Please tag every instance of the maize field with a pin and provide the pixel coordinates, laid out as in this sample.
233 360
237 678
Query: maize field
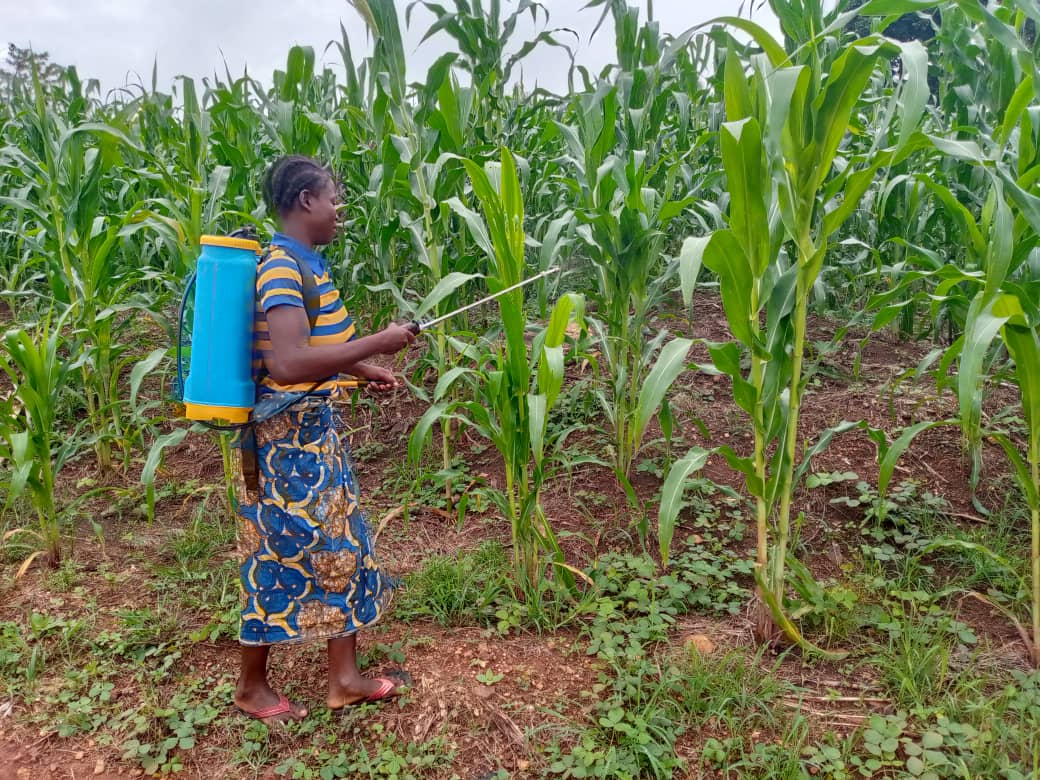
749 489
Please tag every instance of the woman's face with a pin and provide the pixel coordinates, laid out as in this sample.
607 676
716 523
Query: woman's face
321 213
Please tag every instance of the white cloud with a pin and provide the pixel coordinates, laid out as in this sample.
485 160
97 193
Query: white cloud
114 39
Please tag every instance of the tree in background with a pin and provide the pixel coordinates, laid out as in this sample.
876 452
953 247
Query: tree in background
918 26
20 63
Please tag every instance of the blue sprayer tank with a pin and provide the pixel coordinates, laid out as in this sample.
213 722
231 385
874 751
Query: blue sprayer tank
220 377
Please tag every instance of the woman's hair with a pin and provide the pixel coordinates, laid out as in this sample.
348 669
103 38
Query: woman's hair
288 177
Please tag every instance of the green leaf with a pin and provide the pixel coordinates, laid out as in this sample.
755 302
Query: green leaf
787 88
475 224
141 370
151 464
888 463
822 443
914 91
737 95
1022 470
537 409
1023 343
560 318
442 290
690 258
671 497
844 86
742 157
1000 248
968 151
447 379
551 374
665 418
959 210
726 359
930 740
670 363
773 50
23 458
980 330
1019 102
725 257
421 431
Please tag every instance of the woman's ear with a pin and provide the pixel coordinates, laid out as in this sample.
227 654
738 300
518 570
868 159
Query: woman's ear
304 200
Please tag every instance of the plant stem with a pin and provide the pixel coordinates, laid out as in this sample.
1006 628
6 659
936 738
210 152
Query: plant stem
761 506
229 477
514 518
791 439
49 524
623 410
1034 462
433 251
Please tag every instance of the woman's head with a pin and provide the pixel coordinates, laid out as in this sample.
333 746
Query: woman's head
303 195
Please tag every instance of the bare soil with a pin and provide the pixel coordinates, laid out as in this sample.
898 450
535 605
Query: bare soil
546 679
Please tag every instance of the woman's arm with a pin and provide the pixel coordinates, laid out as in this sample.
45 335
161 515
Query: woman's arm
293 360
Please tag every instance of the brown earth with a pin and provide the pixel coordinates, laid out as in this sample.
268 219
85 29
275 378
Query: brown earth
487 724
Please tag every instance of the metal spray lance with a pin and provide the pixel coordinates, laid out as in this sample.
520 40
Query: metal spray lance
419 327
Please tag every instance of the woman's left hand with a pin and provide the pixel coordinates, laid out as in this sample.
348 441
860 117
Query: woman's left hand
380 379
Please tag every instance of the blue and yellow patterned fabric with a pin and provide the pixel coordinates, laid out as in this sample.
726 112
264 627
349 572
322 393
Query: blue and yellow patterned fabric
278 283
307 564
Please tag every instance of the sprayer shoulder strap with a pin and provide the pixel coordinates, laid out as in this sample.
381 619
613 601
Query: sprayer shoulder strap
309 285
311 297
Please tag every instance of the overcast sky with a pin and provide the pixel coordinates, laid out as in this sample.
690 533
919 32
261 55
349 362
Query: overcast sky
117 40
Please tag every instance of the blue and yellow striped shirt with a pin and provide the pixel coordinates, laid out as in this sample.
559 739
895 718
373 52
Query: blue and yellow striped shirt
278 283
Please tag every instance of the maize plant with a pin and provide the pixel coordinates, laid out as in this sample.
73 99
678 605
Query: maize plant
791 187
482 37
516 388
61 177
1006 285
627 195
37 364
417 178
418 171
1021 334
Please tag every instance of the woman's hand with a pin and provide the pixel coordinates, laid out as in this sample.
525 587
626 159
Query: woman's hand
393 338
380 379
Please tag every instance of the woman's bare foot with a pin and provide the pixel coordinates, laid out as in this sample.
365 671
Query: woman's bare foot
253 694
355 689
260 698
347 686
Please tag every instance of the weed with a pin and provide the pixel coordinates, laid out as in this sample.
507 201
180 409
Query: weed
13 654
922 638
456 591
730 689
391 759
255 752
65 577
157 735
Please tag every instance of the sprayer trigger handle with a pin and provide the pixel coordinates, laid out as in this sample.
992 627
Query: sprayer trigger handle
414 327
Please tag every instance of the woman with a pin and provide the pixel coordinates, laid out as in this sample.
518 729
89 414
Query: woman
307 564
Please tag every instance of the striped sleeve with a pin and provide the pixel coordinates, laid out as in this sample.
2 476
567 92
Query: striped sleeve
278 282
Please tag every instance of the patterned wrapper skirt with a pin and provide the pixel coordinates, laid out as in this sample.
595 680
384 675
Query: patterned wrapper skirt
307 564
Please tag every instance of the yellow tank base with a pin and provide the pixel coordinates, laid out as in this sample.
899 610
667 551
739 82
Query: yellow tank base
207 413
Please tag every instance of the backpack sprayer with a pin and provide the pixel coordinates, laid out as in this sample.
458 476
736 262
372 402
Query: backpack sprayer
220 383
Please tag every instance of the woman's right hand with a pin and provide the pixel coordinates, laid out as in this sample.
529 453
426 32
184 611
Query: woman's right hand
393 338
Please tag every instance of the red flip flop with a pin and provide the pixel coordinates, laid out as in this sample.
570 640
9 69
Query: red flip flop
283 707
384 691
